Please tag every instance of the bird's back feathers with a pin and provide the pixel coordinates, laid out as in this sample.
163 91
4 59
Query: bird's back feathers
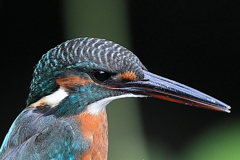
35 136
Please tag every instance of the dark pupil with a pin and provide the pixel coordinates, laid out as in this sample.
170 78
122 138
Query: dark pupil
101 75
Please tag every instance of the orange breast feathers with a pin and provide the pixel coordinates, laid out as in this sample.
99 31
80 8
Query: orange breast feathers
95 130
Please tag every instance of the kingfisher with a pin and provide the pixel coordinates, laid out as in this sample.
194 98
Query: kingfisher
65 117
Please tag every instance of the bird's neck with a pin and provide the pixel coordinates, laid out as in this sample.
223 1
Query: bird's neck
94 130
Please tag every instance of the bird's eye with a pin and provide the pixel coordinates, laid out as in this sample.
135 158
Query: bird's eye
102 75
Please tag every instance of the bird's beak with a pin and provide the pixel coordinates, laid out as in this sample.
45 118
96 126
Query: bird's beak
163 88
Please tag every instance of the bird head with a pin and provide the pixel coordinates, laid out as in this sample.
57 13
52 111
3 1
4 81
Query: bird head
85 74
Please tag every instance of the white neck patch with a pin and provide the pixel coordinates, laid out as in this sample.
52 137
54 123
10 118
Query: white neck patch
52 100
98 106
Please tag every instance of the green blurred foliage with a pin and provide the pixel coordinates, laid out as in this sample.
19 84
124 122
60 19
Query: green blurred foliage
220 141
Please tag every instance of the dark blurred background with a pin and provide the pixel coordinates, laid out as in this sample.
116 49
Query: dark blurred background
193 42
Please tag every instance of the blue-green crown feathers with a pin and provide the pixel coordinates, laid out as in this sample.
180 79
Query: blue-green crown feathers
84 54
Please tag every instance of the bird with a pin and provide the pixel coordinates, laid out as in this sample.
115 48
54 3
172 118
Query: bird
65 115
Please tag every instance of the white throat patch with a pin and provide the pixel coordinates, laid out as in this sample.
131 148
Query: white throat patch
98 106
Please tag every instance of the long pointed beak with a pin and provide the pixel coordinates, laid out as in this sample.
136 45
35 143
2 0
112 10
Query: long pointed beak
163 88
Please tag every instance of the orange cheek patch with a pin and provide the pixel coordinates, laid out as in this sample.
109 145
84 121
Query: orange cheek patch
72 80
128 75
